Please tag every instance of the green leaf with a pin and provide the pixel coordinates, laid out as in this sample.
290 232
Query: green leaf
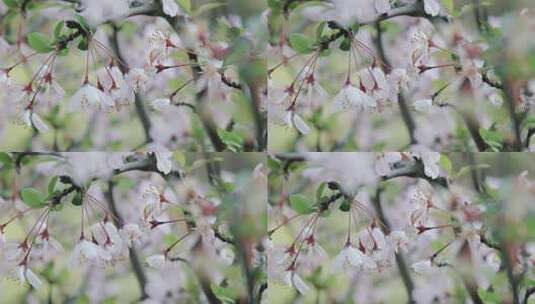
12 4
233 141
52 185
226 187
492 138
180 157
63 52
300 43
224 294
319 29
83 23
39 42
528 122
488 296
301 204
77 199
345 45
58 27
83 45
320 190
445 164
274 165
345 205
33 197
185 5
274 5
6 160
449 5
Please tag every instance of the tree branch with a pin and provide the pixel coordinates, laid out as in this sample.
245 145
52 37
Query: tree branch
400 261
134 259
140 107
415 169
403 107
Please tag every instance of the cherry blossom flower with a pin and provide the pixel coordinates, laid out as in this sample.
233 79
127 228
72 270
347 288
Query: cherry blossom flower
88 96
423 105
161 104
422 267
385 161
432 7
170 8
131 234
211 80
430 160
157 261
420 49
86 252
2 238
382 6
297 122
160 46
399 240
5 80
280 114
348 257
138 79
313 93
496 99
293 279
374 81
33 120
51 246
351 97
25 274
163 157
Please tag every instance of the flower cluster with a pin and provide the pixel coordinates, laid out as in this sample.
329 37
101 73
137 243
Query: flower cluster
176 71
348 73
373 213
160 223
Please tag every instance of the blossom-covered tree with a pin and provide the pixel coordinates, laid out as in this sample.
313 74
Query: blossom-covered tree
390 75
148 74
123 227
401 228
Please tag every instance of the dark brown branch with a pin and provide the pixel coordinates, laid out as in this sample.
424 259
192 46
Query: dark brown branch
134 259
495 84
403 107
140 107
473 128
400 261
415 169
529 293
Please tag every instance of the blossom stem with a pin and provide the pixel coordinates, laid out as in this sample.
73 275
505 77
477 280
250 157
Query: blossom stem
283 62
270 232
166 251
303 241
41 216
180 88
440 250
